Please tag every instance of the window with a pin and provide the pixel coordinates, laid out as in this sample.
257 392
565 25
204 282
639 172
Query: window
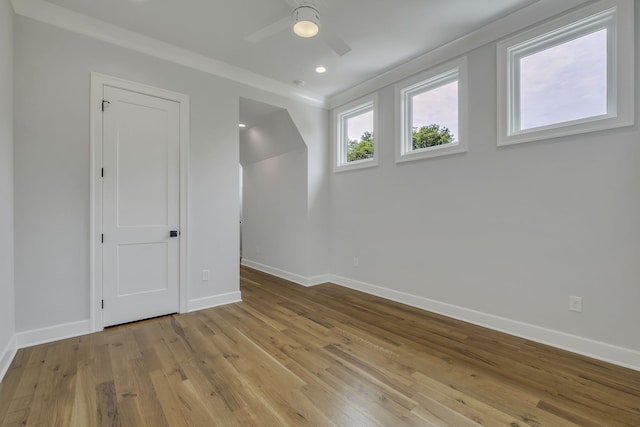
356 132
431 116
571 76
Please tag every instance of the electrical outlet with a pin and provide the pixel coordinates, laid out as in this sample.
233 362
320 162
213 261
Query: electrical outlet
205 275
356 261
575 304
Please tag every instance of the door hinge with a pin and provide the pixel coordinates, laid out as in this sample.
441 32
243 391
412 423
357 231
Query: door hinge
103 304
102 238
103 103
102 173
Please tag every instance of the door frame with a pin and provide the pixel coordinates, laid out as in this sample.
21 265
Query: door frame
98 82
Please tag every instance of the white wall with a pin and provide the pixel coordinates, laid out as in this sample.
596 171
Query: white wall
52 167
274 223
511 232
312 124
7 312
286 199
318 193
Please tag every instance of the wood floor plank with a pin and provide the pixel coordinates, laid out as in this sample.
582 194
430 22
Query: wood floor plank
322 356
146 395
52 392
22 396
214 399
167 399
107 412
12 380
85 404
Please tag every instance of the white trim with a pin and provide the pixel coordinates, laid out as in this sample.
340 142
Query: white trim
617 16
214 301
318 280
40 336
343 113
606 352
95 209
69 20
52 333
522 18
452 71
7 355
283 274
185 167
98 82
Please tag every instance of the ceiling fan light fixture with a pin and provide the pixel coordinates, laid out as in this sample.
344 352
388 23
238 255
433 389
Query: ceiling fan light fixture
306 21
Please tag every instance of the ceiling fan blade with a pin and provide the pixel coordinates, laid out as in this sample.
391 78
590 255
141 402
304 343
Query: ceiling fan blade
336 43
292 3
313 3
269 30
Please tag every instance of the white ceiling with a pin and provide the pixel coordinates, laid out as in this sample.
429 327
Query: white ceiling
382 33
272 134
253 112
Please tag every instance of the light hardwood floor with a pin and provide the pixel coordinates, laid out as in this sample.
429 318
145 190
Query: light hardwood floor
291 356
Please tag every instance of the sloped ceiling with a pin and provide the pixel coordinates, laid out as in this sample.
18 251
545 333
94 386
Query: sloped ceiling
270 132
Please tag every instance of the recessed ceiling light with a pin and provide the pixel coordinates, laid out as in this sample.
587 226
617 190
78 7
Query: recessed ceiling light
321 70
242 125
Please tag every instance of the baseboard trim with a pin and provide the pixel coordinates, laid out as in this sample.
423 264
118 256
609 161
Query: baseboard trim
598 350
283 274
625 357
83 327
214 301
52 333
318 280
7 355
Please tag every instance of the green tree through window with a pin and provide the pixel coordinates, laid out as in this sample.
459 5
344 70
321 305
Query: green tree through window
430 136
426 136
360 150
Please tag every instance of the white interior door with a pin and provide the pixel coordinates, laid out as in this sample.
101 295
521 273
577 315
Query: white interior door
141 206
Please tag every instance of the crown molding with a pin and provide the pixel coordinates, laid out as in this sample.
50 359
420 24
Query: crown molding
69 20
500 28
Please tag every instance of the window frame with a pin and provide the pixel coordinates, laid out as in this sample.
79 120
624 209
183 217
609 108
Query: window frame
421 83
340 117
617 17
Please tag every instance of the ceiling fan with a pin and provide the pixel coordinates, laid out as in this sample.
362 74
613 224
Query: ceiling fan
303 10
